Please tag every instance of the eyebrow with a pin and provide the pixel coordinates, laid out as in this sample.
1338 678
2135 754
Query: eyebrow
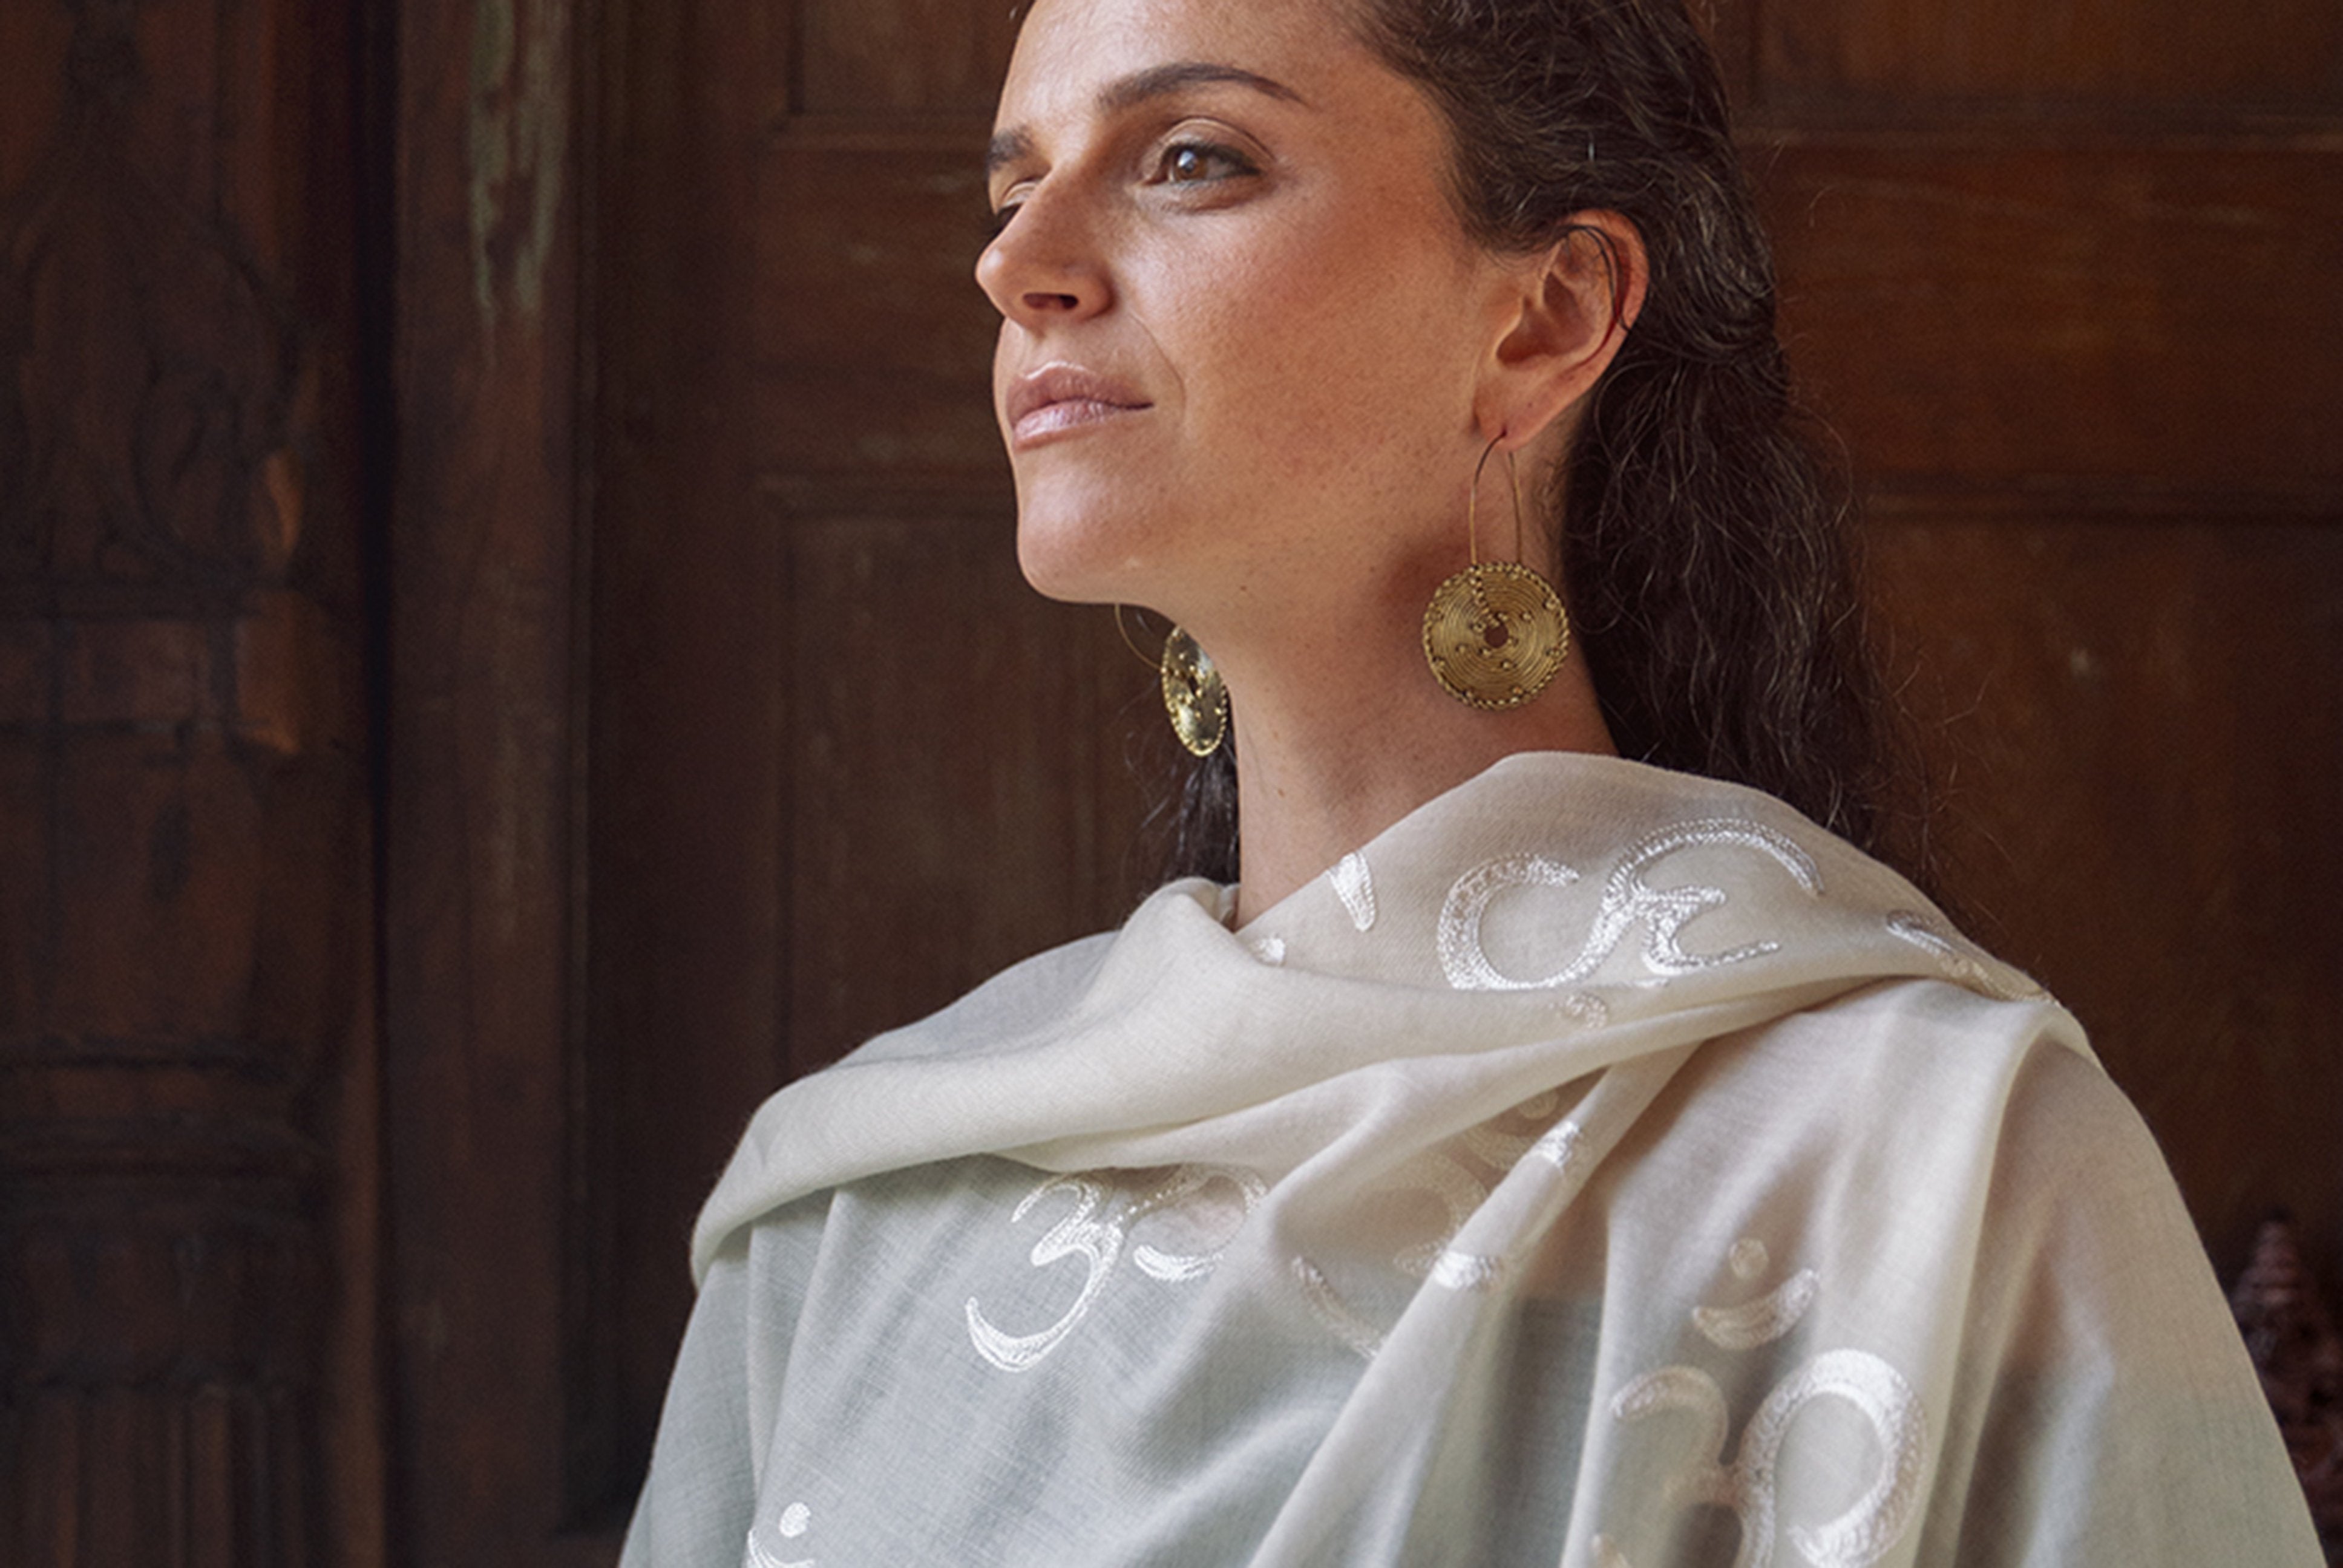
1155 81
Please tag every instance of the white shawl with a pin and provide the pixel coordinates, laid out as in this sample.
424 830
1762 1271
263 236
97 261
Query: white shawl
1603 1166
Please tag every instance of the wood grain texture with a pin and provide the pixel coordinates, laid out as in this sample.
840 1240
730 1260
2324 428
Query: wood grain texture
964 794
685 964
183 792
2121 321
2126 55
477 908
2136 726
874 343
924 57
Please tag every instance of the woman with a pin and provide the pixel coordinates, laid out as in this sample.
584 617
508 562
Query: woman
1537 1157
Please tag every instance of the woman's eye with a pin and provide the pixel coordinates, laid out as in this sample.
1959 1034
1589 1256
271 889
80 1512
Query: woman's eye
1198 162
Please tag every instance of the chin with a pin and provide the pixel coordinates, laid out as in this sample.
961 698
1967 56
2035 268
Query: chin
1059 574
1071 554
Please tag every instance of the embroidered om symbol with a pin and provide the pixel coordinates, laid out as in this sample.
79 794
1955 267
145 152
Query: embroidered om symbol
1095 1230
1860 1535
1628 901
1856 1539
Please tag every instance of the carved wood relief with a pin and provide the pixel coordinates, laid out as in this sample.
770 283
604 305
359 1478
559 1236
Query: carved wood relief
182 801
2291 1334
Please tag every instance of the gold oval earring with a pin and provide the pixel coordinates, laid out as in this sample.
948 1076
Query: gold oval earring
1193 694
1495 633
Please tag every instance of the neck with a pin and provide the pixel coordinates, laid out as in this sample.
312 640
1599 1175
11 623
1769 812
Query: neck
1331 758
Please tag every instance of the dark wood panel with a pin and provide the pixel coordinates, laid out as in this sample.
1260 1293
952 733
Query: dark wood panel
2280 54
479 963
874 343
2154 320
841 426
34 39
963 796
2136 727
688 773
208 79
928 56
186 1369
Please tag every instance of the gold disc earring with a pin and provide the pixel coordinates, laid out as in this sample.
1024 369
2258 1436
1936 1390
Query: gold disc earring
1495 633
1193 694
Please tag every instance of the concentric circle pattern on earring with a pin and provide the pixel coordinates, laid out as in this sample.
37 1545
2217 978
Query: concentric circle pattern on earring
1495 635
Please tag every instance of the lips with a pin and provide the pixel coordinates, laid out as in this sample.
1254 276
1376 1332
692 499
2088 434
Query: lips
1059 398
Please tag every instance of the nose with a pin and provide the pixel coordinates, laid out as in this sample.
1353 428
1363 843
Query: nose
1044 267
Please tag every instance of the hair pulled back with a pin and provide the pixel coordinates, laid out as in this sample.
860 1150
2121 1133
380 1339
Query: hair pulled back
1704 550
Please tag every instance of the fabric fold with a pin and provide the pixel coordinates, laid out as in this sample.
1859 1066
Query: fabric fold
1554 915
1601 1168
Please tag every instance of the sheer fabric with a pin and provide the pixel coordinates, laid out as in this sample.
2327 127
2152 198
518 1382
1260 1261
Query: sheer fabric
1602 1167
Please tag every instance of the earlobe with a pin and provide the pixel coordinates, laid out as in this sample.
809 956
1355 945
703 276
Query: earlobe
1574 306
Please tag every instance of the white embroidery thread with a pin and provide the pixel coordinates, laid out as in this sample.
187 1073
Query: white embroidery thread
1460 1193
1628 901
1334 1312
1458 1271
795 1520
1762 1321
1559 1147
1355 886
1865 1532
1502 1150
1458 1190
1100 1241
1859 1536
1462 957
1585 1008
1960 963
1187 1183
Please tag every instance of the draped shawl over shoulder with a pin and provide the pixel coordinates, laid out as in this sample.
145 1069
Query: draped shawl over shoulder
1603 1166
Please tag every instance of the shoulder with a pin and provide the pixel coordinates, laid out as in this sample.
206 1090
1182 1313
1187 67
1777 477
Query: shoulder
1915 1064
1929 1070
1929 1140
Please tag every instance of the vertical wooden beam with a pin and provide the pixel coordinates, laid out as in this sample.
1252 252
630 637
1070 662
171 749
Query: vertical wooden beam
481 809
686 986
185 1002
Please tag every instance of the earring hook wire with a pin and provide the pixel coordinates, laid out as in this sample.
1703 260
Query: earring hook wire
1136 651
1472 503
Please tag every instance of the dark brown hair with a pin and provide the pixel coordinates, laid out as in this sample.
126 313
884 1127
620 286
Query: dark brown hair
1706 553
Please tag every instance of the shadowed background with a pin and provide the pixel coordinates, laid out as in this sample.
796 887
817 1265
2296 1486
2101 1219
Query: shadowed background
510 648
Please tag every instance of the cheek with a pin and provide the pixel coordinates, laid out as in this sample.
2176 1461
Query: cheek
1328 337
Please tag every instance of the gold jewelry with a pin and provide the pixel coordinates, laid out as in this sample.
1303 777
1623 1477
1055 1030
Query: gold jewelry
1193 694
1495 633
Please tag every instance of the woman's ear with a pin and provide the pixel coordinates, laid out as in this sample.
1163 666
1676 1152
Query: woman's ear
1567 317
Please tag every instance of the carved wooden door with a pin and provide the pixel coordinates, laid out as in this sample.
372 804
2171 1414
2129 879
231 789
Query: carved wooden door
186 921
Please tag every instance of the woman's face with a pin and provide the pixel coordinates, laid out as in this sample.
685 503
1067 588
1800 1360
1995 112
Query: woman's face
1242 328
